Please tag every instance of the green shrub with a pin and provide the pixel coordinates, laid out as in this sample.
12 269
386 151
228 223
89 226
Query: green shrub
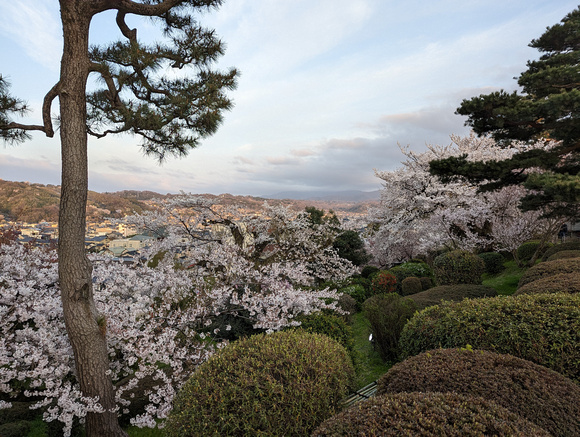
347 303
368 271
549 268
564 254
358 293
414 268
329 325
536 393
527 250
493 262
458 267
455 293
411 285
543 328
387 315
559 283
427 414
426 283
282 384
15 429
383 282
570 245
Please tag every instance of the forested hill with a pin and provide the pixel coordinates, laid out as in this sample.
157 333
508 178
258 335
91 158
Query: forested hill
33 203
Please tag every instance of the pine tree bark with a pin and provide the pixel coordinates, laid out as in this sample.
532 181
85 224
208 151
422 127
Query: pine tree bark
75 271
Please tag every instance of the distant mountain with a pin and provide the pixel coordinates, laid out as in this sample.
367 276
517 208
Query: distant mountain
329 196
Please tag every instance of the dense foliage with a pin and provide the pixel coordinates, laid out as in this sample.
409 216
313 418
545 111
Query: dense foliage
428 415
436 295
411 285
569 245
387 315
549 268
557 283
458 267
493 262
534 392
283 384
564 254
411 268
542 328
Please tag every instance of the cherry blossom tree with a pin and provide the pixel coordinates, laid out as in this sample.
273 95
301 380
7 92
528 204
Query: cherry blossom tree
419 213
159 322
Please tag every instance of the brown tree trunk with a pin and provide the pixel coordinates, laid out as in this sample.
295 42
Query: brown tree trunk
75 271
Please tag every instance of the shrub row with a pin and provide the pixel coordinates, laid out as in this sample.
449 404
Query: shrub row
543 328
549 268
458 267
417 269
282 384
570 245
427 414
536 393
564 254
436 295
558 283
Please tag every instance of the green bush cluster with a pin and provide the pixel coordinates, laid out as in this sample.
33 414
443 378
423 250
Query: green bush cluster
368 271
493 262
543 328
559 283
549 268
527 250
458 267
455 293
411 285
414 268
282 384
536 393
358 292
564 254
426 283
383 282
387 315
569 245
348 304
428 414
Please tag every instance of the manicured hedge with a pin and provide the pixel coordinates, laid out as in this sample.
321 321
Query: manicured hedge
549 268
570 245
414 268
435 295
535 392
526 250
411 285
282 384
493 262
559 283
564 254
428 414
543 328
458 267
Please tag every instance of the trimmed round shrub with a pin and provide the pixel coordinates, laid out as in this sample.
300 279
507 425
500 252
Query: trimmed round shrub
458 267
347 303
526 250
387 315
559 283
535 392
569 245
543 328
428 414
329 325
411 285
368 271
493 262
564 254
383 282
282 384
414 268
426 283
436 295
549 268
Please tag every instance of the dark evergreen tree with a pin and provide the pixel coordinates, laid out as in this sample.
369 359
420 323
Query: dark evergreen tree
547 111
170 113
349 245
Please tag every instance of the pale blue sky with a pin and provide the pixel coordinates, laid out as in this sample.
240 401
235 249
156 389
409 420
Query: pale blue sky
327 89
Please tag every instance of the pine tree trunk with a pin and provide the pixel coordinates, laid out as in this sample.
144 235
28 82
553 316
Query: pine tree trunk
75 271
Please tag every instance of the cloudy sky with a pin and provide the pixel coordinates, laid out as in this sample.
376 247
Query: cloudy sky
328 88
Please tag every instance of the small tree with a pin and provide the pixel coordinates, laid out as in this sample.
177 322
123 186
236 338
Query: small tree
170 114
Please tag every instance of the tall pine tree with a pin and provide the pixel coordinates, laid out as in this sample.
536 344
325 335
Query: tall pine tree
170 112
548 111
